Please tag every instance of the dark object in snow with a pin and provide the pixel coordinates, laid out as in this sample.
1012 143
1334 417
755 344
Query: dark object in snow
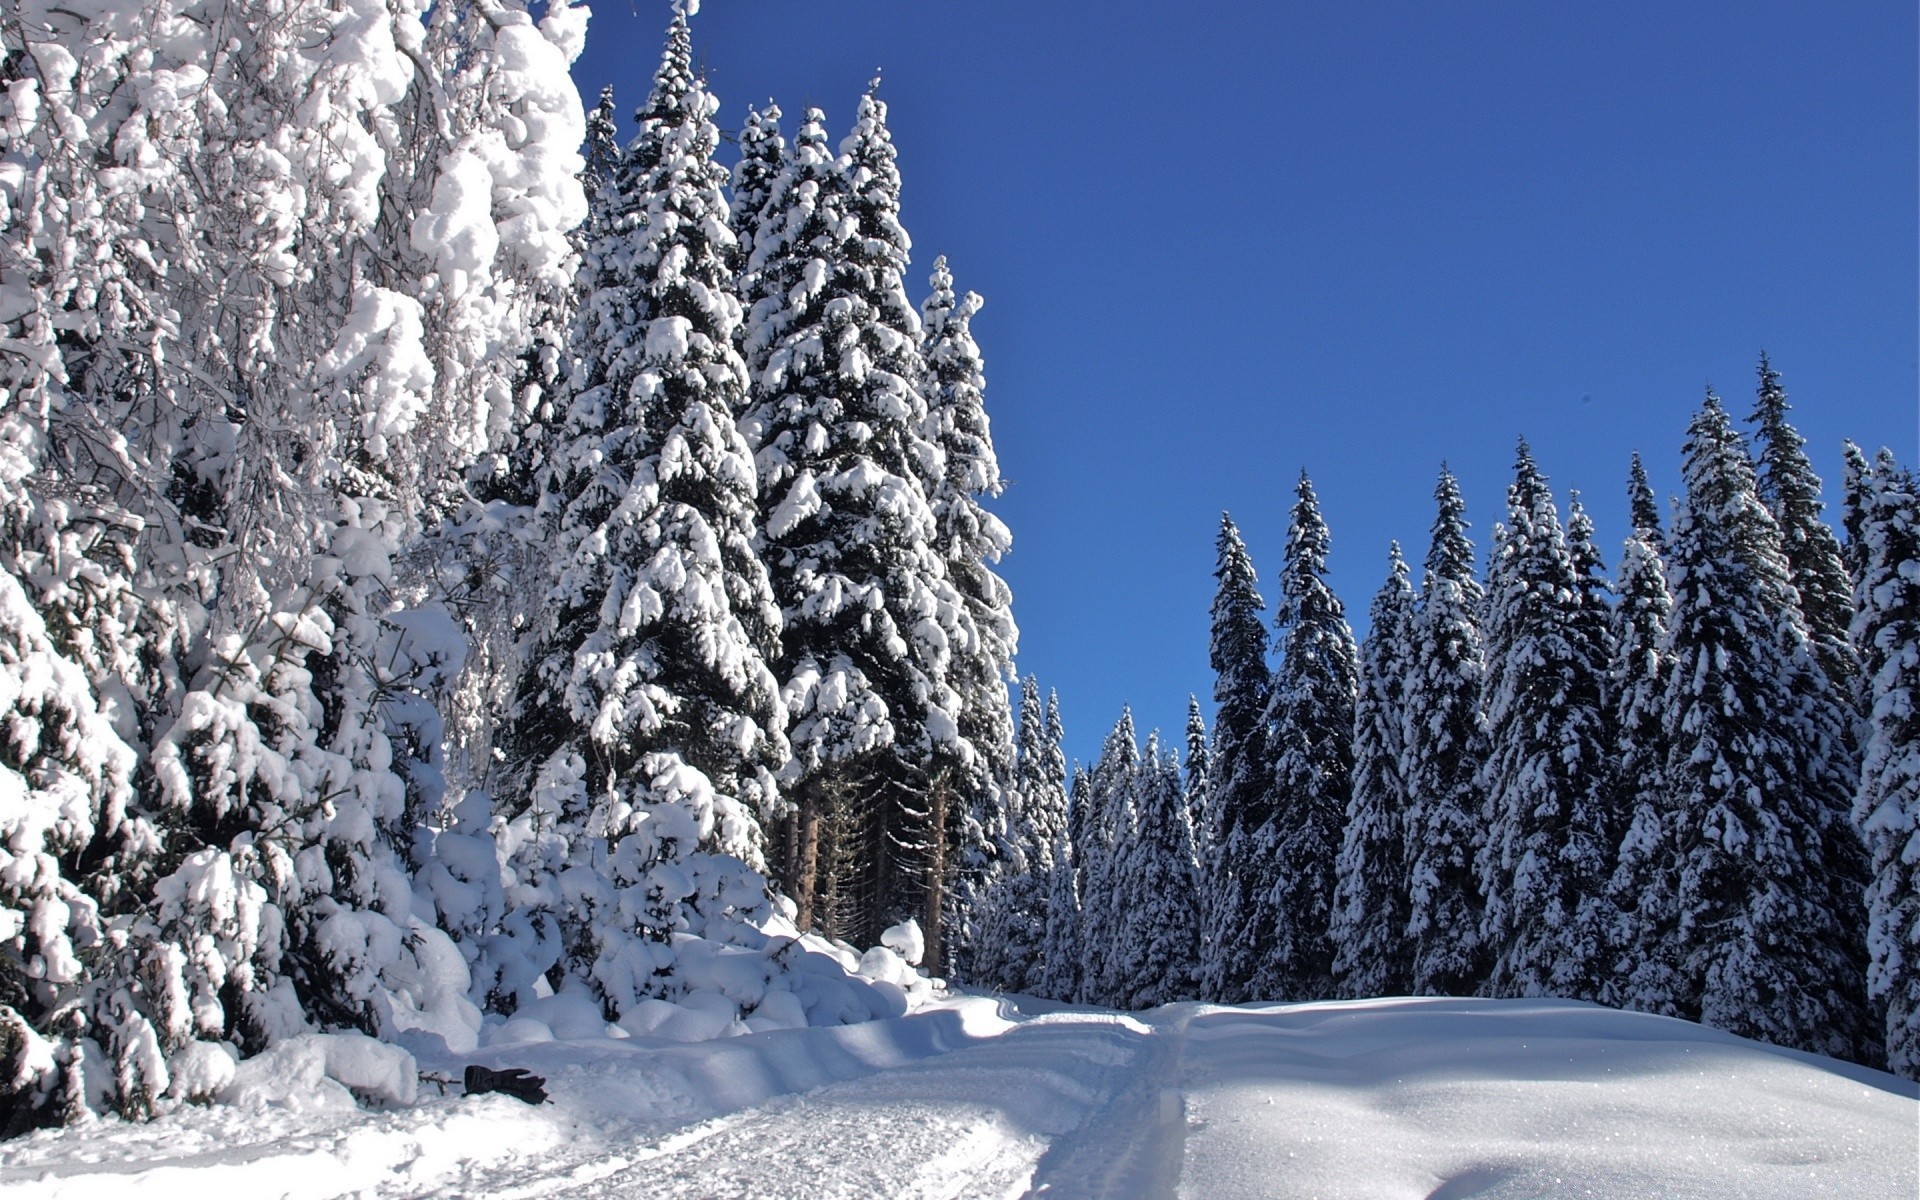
514 1081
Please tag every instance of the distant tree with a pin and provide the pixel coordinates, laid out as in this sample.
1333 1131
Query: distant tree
1547 856
1240 787
1885 506
1198 772
1103 859
1310 722
1445 734
1159 937
1643 509
1372 956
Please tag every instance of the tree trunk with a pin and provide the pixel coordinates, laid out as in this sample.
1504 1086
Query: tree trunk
936 877
806 856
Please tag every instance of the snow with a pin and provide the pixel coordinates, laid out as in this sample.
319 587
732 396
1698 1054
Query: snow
977 1096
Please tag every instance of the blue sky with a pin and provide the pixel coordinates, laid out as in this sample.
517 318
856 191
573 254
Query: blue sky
1219 244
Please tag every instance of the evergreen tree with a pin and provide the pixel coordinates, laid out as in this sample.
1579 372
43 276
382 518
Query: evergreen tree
1886 631
849 537
1546 859
762 158
1369 930
1240 789
1109 806
970 539
1766 920
1102 856
1198 773
1592 628
649 704
1310 719
1642 508
1641 892
1445 739
1791 492
1159 937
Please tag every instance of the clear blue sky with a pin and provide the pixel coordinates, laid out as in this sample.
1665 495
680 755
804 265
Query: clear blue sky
1220 243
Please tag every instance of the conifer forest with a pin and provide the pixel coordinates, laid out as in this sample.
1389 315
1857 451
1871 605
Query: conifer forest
454 556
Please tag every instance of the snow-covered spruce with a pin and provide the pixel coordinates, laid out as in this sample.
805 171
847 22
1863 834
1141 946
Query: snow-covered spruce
1369 922
1886 632
1444 734
1550 833
648 726
838 421
1310 730
1765 912
1643 967
1100 850
1791 492
1240 787
1153 960
970 540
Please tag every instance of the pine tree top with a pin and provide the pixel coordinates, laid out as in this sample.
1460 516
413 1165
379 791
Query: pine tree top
1450 556
1645 511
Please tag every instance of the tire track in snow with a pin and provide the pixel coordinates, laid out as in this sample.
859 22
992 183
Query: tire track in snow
972 1123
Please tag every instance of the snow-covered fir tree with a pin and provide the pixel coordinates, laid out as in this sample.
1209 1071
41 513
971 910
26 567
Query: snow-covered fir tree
1015 908
649 720
1198 771
1445 742
1241 786
1550 833
1791 492
1640 892
1886 632
1766 909
1310 724
1101 852
1056 974
970 540
871 622
762 157
1372 956
1153 958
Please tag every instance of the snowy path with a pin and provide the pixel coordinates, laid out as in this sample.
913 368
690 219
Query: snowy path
1422 1100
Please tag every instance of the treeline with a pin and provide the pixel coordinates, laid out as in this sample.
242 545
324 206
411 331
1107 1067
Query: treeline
441 571
1691 789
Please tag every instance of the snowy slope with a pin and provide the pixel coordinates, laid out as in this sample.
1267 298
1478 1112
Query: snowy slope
1412 1099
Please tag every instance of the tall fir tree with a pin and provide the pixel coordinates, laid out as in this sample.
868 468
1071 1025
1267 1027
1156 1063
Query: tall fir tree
1159 936
1445 741
1767 881
1369 928
1199 763
1102 854
1062 949
762 157
849 537
1546 860
1791 492
1310 722
649 719
1642 895
1241 785
969 540
1885 505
